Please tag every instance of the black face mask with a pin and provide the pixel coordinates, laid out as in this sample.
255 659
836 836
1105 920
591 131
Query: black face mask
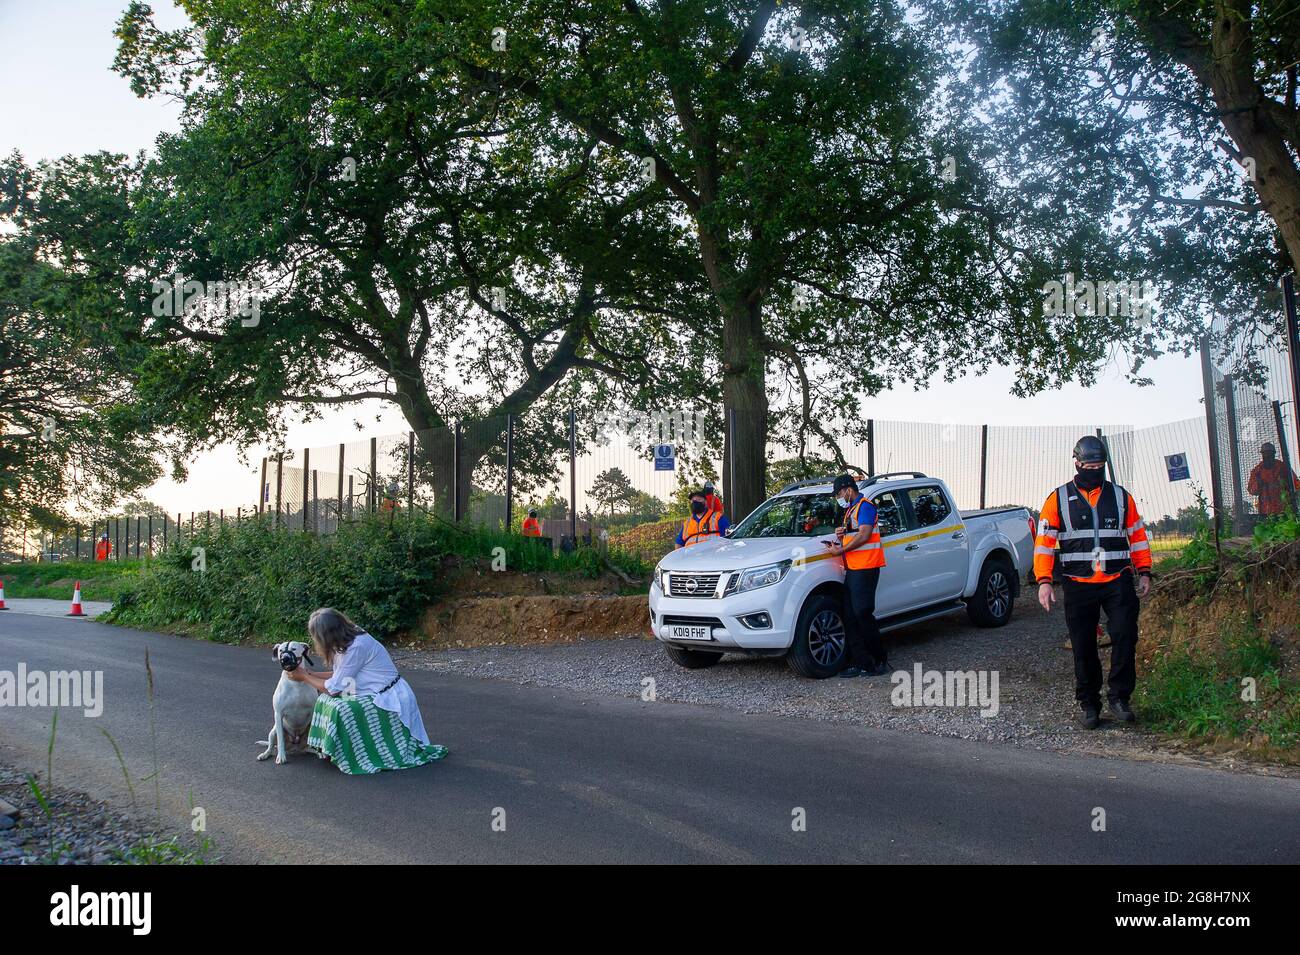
697 508
1088 480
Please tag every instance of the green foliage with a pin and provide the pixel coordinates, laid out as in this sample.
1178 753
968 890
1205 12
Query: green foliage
1199 695
261 583
100 580
1276 530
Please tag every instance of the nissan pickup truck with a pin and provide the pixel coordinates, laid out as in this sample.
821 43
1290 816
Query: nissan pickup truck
771 588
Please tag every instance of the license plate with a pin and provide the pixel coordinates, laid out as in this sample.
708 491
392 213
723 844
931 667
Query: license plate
679 632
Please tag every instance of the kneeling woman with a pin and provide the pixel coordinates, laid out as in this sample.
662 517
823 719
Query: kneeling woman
366 718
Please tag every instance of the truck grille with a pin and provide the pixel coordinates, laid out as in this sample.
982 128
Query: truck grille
692 585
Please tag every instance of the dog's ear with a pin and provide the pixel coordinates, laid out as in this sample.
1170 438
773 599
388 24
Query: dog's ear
275 651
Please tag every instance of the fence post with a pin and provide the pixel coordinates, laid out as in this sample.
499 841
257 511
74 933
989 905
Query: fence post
261 488
1288 475
117 537
1110 458
239 513
351 495
573 476
151 534
1292 345
1234 453
279 487
455 473
410 472
871 446
984 466
306 467
340 514
372 489
166 520
76 529
510 469
315 501
1212 430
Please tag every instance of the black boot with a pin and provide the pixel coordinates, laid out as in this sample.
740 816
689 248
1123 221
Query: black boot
1123 712
1091 718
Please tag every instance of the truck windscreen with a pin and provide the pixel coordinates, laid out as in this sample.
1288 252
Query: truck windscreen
794 515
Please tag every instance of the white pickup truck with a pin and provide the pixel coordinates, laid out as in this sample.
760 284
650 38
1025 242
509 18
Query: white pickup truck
770 587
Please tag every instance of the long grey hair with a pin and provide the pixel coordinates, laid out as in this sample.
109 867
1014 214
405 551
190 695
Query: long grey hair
331 632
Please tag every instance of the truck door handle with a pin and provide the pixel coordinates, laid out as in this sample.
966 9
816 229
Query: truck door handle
911 547
960 535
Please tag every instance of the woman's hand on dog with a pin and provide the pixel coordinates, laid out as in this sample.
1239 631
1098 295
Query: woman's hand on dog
297 674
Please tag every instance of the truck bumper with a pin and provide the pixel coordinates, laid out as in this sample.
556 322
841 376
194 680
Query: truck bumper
734 623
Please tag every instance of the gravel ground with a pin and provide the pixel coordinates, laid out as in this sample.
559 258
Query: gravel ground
85 830
1034 668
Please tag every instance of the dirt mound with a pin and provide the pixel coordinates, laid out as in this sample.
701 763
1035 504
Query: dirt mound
476 578
484 621
1197 607
651 540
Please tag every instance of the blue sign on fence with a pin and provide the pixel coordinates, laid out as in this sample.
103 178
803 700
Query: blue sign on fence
665 457
1176 465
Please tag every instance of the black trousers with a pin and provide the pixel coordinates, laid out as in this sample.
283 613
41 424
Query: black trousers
862 635
1083 606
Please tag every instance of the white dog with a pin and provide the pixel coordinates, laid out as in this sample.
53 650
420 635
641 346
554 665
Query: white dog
293 703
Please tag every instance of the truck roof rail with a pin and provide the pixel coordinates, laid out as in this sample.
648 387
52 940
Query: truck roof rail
865 482
808 482
873 478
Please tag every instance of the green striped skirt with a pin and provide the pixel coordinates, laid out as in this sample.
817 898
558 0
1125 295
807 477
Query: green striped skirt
361 738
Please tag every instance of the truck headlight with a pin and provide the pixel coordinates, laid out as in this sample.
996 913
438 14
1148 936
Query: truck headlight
662 577
764 576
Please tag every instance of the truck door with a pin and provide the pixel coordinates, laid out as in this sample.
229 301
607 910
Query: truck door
938 542
892 593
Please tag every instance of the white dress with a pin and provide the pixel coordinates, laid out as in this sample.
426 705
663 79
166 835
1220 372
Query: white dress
365 668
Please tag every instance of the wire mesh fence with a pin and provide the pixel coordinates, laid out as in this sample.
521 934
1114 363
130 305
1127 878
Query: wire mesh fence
599 475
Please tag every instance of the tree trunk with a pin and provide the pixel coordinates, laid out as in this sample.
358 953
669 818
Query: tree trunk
744 391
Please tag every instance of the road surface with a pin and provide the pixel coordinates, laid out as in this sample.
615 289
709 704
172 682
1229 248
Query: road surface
596 779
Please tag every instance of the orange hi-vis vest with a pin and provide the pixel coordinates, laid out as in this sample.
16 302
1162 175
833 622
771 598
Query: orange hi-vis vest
864 556
1094 535
531 527
102 549
696 530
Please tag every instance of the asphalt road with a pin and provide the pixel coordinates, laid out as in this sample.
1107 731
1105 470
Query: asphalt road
595 779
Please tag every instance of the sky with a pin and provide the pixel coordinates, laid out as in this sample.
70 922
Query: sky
58 95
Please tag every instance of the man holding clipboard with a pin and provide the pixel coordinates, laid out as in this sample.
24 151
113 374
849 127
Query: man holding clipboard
859 544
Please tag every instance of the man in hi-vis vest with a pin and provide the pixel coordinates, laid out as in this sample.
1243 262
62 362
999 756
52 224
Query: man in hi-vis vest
859 545
703 524
1092 541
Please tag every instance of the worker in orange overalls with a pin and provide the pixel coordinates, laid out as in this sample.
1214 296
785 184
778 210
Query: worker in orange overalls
103 547
389 504
1268 481
532 527
703 523
711 499
1090 531
859 544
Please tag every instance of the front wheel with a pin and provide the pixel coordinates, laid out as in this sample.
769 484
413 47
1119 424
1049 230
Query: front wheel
691 659
819 646
991 604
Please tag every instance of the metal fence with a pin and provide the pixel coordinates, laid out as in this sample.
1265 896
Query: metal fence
1252 399
626 475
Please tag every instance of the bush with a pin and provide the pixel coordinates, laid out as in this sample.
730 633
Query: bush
262 583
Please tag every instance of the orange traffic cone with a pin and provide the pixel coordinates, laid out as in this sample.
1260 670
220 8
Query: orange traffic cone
76 610
2 594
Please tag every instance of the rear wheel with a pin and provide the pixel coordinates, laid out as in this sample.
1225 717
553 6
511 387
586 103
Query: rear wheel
993 600
819 646
691 659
